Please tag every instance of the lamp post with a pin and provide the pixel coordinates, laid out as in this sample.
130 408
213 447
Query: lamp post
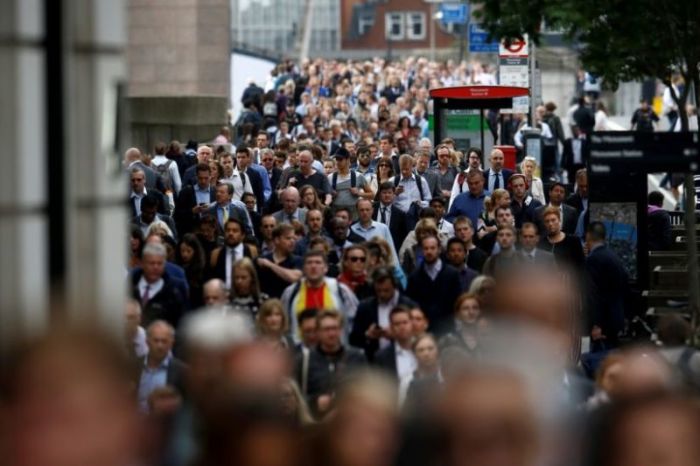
435 16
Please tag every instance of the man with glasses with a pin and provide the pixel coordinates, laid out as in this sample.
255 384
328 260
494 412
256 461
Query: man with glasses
445 172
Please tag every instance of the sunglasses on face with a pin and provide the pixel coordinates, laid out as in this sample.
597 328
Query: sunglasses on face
357 259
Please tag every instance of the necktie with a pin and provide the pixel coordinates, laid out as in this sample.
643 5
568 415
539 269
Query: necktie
497 183
146 295
224 215
383 218
290 218
233 255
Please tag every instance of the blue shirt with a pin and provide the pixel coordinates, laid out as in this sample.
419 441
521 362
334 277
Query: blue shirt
411 193
267 188
203 195
468 205
152 379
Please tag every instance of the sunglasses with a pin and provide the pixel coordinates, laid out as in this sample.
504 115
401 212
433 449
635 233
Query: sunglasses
357 259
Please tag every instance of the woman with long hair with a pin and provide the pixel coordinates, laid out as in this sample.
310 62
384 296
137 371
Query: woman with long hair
467 325
190 255
385 171
427 377
217 172
246 296
272 324
487 218
294 405
136 243
528 167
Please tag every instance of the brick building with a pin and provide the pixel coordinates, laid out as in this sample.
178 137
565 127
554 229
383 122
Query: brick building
396 24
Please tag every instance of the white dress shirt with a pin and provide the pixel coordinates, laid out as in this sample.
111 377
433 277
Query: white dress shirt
238 250
383 311
153 288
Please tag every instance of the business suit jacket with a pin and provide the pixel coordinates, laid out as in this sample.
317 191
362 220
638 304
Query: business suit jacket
163 202
273 203
568 223
576 202
506 176
153 179
233 212
607 287
256 185
567 157
185 220
168 304
175 375
542 258
281 217
366 315
436 297
398 225
219 268
385 359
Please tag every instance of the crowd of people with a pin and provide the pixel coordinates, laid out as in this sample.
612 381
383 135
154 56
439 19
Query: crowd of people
323 283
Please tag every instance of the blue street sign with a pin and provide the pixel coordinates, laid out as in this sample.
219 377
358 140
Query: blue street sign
479 40
456 13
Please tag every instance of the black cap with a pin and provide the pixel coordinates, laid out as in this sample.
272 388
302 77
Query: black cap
342 153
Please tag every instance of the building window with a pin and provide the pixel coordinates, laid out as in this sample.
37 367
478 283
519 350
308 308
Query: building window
394 26
415 25
364 24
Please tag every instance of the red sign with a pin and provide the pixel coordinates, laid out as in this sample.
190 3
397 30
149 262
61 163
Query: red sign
516 46
478 92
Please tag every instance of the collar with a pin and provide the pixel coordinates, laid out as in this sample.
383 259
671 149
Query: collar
164 364
133 194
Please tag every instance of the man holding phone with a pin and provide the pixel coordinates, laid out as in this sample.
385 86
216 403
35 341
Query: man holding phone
194 200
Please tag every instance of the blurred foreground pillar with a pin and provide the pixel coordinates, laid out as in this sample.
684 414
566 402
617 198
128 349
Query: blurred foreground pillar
62 214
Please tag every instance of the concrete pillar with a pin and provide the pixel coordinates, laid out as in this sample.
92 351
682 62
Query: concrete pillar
24 284
95 69
179 56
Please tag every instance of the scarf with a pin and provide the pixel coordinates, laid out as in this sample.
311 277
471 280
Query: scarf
351 281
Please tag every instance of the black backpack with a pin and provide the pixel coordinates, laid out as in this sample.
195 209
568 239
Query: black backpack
353 179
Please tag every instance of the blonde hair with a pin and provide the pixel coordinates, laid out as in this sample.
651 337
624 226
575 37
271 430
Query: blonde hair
159 228
492 201
266 309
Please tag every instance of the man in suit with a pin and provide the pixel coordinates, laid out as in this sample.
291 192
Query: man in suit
398 359
132 159
204 154
496 176
434 286
137 181
507 259
149 205
557 194
290 207
422 168
226 208
152 287
194 200
371 327
456 256
523 204
608 286
579 200
245 166
387 213
529 239
160 368
223 258
274 174
575 153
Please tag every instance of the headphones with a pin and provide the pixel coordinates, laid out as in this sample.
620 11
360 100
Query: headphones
514 176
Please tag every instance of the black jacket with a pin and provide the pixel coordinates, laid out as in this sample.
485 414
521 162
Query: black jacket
168 304
366 315
185 220
398 226
436 297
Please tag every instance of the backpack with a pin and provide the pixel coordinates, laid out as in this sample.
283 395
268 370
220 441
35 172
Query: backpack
164 171
419 182
353 179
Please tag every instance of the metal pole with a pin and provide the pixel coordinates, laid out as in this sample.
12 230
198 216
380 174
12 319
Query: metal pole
533 62
432 32
693 282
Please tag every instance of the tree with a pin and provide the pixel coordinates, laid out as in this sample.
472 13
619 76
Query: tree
619 40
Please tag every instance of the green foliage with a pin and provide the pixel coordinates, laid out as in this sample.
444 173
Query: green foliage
619 40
